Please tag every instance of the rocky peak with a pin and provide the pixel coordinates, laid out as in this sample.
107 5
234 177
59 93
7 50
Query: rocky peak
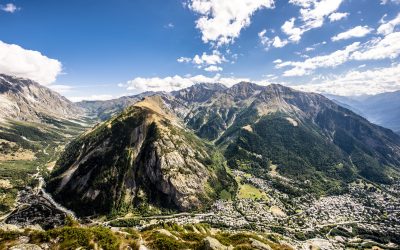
24 99
199 92
244 90
141 157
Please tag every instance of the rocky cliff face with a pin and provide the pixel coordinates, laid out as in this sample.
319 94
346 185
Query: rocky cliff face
26 100
141 158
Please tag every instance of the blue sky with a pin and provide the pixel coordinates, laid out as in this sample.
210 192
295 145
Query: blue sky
97 49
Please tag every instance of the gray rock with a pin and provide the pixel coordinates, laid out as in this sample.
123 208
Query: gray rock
26 247
210 243
259 245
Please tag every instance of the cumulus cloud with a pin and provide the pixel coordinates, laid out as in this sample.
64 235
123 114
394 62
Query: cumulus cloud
354 83
17 61
208 62
10 8
176 82
337 16
327 61
358 31
293 32
380 48
213 68
267 42
312 15
388 27
209 59
221 21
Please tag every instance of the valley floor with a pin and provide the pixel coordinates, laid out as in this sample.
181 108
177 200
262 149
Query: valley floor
259 218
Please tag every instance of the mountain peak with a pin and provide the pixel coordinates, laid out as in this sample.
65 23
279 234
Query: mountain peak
199 92
149 159
243 90
24 99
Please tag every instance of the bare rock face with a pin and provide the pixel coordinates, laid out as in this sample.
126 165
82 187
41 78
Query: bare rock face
142 157
26 100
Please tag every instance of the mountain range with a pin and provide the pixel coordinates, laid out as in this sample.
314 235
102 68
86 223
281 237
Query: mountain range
382 109
278 168
152 153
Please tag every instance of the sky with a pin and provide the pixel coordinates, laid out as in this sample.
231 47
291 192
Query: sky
102 49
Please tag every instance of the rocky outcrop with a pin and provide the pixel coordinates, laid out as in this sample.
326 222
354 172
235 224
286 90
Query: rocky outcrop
210 243
256 244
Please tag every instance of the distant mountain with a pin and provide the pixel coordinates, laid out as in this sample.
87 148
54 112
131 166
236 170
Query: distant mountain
382 109
25 100
35 125
32 117
104 110
148 154
199 92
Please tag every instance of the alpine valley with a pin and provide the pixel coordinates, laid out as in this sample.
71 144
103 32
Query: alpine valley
206 167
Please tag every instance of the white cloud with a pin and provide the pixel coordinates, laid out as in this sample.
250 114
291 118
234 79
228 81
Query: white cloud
393 1
11 8
221 21
91 98
327 61
277 61
169 26
312 15
354 83
184 59
267 42
380 48
388 27
209 59
302 3
293 32
205 59
177 82
15 60
208 62
278 43
375 49
337 16
358 31
213 68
